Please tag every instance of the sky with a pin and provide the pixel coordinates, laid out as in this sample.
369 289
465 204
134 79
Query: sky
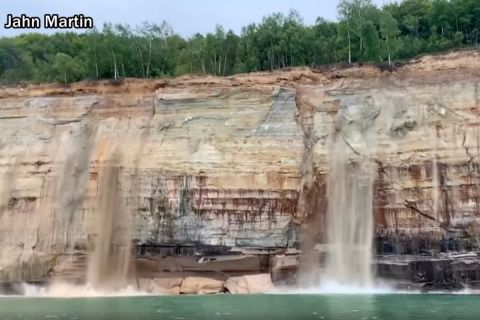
186 17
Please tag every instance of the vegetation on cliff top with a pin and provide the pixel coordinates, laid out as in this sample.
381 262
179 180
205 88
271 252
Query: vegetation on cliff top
363 33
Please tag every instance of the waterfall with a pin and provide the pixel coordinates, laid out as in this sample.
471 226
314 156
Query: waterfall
71 186
435 178
349 218
110 263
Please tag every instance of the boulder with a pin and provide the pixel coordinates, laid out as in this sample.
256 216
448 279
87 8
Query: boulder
201 285
160 285
259 283
170 285
237 285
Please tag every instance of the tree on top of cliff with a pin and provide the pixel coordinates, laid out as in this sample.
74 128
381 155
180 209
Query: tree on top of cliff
363 33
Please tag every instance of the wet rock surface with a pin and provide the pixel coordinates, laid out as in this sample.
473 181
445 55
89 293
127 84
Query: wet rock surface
452 271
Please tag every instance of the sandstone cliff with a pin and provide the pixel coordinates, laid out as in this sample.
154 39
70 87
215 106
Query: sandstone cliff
238 162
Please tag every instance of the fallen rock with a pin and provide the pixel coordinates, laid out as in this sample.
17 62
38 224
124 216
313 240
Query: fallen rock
259 283
200 285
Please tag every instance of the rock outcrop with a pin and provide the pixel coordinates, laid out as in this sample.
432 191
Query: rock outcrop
199 285
208 165
160 285
253 284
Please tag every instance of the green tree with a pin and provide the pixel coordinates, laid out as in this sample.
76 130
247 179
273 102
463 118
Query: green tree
322 40
364 33
66 68
389 31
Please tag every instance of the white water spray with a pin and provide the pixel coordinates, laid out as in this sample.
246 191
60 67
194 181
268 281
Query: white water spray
67 290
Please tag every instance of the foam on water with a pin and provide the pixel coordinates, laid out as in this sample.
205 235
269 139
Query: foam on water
333 287
378 288
66 290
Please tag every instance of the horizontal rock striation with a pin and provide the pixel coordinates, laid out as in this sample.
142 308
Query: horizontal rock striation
206 165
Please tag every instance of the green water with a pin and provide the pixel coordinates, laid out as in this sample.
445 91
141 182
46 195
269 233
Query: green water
278 307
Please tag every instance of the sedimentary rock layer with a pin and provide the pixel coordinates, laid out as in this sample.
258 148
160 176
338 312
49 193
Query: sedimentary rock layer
238 162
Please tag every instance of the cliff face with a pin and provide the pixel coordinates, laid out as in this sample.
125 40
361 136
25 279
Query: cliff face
238 162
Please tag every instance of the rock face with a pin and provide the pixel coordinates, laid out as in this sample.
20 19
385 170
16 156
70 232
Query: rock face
160 285
446 271
209 164
199 285
258 283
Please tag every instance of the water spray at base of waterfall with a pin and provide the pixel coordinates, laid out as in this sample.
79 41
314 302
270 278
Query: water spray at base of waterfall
332 287
67 290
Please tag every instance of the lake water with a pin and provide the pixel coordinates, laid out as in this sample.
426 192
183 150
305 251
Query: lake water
275 307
